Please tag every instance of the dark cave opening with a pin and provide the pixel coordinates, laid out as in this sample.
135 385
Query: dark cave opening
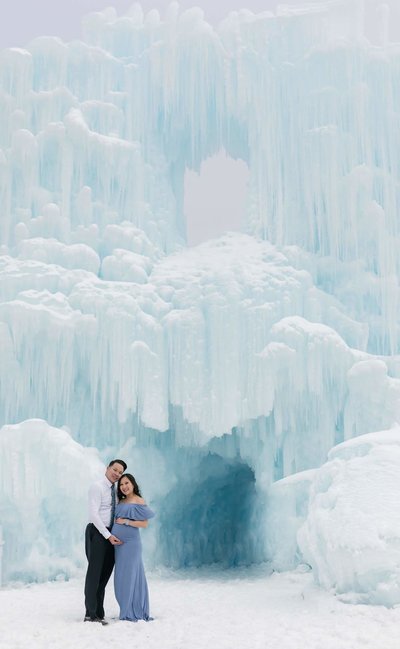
212 517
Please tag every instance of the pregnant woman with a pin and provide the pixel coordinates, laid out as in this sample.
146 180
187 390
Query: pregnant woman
129 579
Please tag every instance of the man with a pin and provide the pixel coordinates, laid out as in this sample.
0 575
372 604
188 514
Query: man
99 541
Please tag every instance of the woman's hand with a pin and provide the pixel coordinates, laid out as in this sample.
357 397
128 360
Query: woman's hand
124 521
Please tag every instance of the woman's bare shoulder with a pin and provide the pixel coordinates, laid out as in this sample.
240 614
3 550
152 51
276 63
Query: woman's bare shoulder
139 501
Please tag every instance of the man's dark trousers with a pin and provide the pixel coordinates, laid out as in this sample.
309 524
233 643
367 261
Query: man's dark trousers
100 556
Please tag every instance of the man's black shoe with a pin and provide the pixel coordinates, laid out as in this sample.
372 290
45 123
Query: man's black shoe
87 618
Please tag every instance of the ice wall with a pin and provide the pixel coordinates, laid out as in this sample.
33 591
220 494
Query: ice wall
216 337
44 478
97 137
263 349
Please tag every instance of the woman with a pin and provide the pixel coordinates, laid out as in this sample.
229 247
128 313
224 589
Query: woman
129 579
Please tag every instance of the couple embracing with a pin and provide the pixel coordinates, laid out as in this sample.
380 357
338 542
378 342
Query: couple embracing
116 512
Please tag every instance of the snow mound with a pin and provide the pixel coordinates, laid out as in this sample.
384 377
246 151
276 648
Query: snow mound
351 536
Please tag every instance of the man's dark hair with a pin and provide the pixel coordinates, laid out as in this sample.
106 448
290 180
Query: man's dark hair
124 464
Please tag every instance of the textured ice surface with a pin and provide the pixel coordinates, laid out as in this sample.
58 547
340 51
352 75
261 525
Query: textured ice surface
45 476
351 535
288 501
245 359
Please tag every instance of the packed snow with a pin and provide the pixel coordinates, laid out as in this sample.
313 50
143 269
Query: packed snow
240 610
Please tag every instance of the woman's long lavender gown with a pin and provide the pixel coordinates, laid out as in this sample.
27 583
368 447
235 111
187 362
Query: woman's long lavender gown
130 582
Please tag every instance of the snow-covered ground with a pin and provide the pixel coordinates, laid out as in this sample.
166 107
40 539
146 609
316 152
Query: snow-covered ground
244 609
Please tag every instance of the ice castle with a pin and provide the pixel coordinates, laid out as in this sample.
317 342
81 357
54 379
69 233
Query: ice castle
223 373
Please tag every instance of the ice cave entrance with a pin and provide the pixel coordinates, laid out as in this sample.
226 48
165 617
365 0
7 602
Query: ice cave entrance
214 199
211 517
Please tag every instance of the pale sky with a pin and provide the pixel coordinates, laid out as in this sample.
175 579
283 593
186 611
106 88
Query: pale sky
22 20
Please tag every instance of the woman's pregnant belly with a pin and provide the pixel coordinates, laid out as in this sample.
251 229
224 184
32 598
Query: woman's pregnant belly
125 533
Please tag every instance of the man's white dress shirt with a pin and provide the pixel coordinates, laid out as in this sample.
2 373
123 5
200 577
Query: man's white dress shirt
100 505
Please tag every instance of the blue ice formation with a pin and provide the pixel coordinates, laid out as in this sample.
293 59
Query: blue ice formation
225 373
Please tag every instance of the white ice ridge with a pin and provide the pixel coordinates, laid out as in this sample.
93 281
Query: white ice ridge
351 535
342 520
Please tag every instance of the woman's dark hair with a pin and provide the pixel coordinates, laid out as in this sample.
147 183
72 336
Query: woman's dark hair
132 480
